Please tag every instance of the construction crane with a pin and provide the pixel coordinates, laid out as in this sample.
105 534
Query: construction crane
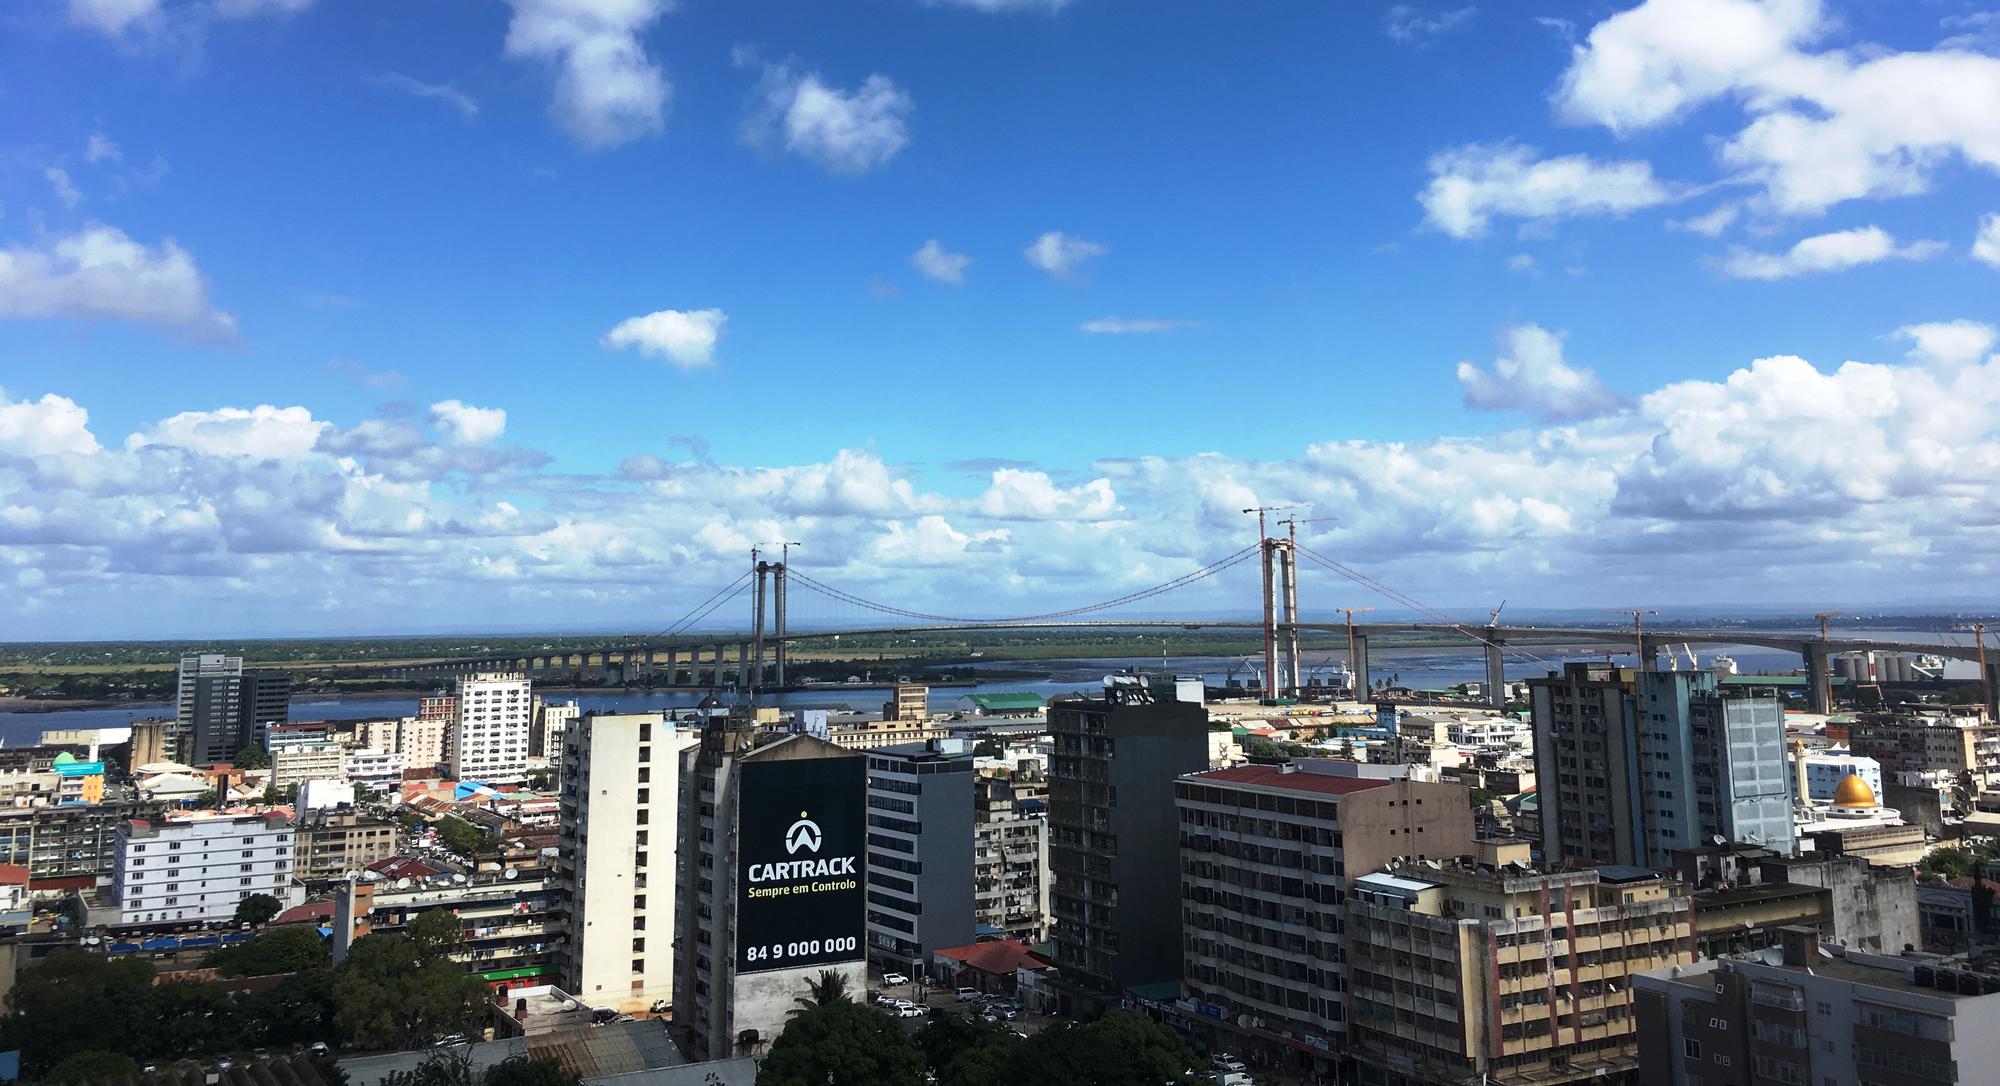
1638 629
1493 616
1353 649
1985 677
1822 617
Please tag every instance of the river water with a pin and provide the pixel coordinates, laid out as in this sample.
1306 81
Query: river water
1421 668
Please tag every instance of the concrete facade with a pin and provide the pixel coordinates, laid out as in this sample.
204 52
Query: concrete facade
193 870
1010 872
293 765
1115 901
1839 1019
490 742
219 706
920 853
618 840
334 844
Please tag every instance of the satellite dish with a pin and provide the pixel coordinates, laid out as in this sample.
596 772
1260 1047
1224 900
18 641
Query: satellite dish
457 877
402 884
511 873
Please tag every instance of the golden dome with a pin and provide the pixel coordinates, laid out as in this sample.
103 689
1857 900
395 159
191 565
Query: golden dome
1853 792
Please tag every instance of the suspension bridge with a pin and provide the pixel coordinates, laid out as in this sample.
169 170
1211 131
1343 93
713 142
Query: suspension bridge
759 659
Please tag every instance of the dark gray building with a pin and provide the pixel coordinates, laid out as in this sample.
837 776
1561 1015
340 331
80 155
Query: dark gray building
919 852
1114 853
221 707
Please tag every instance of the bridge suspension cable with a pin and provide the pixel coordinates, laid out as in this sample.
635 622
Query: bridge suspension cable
1160 589
1413 604
704 608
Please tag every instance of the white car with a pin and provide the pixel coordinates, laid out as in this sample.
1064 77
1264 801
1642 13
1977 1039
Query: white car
913 1011
903 1004
968 995
1226 1062
892 980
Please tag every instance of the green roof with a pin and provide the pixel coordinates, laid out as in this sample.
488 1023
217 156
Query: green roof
1006 701
1163 991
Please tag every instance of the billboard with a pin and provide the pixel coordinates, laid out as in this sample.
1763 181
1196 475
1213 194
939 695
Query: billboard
802 863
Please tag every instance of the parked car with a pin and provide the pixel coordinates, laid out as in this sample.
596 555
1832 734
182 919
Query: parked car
913 1011
968 995
903 1004
894 980
1225 1062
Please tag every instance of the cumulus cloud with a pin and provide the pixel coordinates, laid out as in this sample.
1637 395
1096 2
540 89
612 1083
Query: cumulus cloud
1060 254
464 104
1709 224
1826 253
607 90
1531 376
1470 185
1950 342
684 337
1017 494
935 262
1822 127
53 424
469 425
1986 243
848 132
1116 326
99 272
65 188
263 432
1409 24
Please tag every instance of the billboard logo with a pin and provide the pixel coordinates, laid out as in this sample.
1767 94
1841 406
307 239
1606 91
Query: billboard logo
804 834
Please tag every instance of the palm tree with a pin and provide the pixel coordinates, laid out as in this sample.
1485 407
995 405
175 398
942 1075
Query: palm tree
830 988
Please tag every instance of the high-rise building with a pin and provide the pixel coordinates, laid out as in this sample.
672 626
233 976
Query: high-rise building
1927 741
335 844
1267 856
771 878
1115 862
490 742
1010 850
193 869
220 707
295 764
908 702
620 819
1632 767
545 739
1817 1017
1487 972
424 740
920 881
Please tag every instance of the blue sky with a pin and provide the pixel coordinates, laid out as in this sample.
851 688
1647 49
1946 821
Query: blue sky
323 317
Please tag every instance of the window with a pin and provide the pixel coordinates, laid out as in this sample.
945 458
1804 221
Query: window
1718 1023
1691 1048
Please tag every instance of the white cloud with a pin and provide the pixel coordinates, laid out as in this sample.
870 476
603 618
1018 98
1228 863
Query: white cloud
1825 253
1523 263
465 424
1061 254
936 263
1986 244
65 189
685 337
112 16
249 9
848 132
1950 342
1710 224
1130 325
120 18
54 424
1823 127
1031 495
608 91
1531 376
932 541
99 272
263 432
1470 185
1407 23
465 104
99 148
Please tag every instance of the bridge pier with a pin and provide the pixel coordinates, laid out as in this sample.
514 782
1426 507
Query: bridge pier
1819 678
1496 674
1359 665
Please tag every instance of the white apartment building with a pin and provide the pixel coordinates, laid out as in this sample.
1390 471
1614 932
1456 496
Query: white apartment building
325 760
619 824
1826 769
1489 731
198 868
377 769
552 718
422 740
490 742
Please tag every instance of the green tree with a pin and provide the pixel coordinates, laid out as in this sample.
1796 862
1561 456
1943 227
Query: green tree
843 1044
1949 862
988 748
1479 798
462 837
443 1067
91 1068
962 1051
299 1010
75 1001
258 910
252 757
1119 1049
828 989
402 988
286 949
